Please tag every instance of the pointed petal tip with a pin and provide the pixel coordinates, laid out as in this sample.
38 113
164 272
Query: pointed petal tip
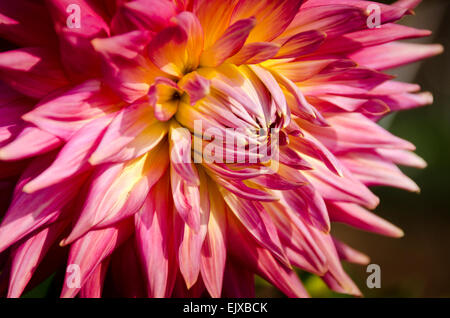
3 155
63 243
375 201
394 232
28 117
437 48
29 188
94 159
363 259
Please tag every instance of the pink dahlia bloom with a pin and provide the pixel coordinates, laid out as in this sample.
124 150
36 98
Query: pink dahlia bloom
108 109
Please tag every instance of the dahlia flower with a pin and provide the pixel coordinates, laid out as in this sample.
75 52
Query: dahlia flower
131 137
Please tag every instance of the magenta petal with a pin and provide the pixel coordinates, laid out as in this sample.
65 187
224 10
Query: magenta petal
88 252
28 255
154 225
395 54
29 212
34 72
64 113
30 142
73 158
214 250
93 286
359 217
191 242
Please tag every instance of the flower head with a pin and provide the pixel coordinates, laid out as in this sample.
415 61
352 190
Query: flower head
178 148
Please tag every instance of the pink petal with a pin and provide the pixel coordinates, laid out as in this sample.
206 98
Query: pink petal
190 249
310 205
301 44
153 15
124 67
89 251
214 251
394 54
30 142
274 89
310 146
180 154
370 37
372 170
300 107
298 71
67 112
73 158
300 247
196 86
256 220
402 157
27 256
354 131
133 132
355 78
335 278
341 188
360 218
333 19
186 198
349 254
29 212
123 196
93 286
77 53
389 13
34 72
255 53
154 225
259 259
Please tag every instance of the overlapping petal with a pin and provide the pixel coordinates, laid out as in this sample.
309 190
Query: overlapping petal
179 148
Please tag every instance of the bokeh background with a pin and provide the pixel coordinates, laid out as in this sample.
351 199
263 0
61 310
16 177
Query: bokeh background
417 265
